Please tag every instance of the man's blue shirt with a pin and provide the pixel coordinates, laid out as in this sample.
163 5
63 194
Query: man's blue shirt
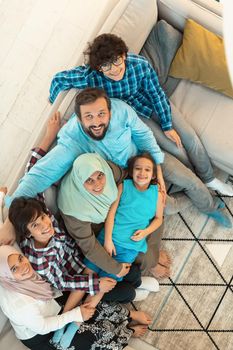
126 136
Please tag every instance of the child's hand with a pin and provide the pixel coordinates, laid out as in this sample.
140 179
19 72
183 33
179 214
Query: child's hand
106 284
87 311
138 235
110 248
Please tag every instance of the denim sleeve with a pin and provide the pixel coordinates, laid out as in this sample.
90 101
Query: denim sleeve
45 172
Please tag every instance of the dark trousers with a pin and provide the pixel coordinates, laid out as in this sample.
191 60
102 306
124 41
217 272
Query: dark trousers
124 291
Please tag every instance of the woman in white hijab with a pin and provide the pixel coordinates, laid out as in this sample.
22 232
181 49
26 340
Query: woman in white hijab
28 301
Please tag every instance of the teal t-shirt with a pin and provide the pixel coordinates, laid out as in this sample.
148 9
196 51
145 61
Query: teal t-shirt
135 211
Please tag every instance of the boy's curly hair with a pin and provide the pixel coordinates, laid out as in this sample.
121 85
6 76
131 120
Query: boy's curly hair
105 48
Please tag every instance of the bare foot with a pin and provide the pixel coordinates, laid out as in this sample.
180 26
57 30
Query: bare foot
139 330
164 258
53 126
160 271
141 317
3 189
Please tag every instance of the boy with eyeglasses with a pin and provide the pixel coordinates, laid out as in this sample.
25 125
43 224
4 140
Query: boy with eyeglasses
131 78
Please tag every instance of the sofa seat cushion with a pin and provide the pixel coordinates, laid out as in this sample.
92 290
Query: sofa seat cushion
211 115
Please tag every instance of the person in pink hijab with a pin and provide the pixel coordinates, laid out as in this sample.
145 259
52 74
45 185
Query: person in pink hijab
29 303
17 274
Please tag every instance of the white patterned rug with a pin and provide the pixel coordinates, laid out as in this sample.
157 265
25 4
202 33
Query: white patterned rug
194 308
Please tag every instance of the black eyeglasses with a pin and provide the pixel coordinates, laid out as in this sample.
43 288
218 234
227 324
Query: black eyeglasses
105 67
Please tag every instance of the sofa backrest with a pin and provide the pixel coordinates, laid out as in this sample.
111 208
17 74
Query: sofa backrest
132 20
207 13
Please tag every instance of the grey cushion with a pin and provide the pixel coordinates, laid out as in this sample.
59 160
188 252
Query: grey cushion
160 49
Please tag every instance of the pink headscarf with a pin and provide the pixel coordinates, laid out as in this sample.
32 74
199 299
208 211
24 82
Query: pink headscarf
35 287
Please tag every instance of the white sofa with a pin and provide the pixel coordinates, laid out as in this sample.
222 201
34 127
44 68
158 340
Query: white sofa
201 107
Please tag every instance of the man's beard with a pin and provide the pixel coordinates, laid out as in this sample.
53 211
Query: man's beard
92 135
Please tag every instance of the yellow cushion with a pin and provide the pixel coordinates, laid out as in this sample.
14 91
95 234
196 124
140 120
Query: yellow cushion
201 59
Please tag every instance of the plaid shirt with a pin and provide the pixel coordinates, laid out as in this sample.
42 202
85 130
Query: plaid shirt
61 261
139 87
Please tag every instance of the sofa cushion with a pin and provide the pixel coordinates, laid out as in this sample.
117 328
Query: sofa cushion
201 58
160 49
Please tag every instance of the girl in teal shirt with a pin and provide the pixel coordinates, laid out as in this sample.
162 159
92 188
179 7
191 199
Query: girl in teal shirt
136 213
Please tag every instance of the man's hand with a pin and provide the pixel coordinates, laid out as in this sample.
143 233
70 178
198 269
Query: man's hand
174 137
125 269
138 235
3 189
106 284
7 233
109 247
164 196
162 187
